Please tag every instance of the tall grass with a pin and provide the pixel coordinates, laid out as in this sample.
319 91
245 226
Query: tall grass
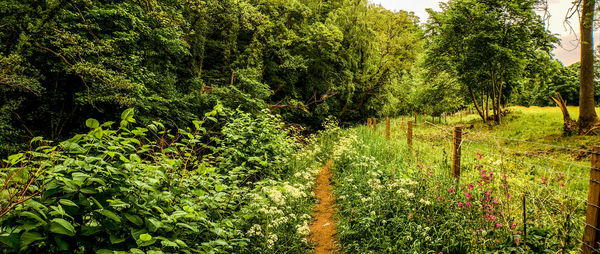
395 200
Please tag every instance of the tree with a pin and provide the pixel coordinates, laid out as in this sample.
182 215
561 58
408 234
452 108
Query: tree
587 106
486 45
62 62
588 118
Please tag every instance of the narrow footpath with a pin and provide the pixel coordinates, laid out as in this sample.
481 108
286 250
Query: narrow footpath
323 228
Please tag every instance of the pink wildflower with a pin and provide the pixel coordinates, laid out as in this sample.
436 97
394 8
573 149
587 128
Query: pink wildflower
468 195
498 225
543 180
517 240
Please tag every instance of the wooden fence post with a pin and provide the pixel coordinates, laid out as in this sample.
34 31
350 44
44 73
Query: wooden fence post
402 126
409 133
416 118
374 124
387 128
425 118
592 214
456 152
369 123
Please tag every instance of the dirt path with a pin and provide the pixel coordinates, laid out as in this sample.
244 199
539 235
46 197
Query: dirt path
323 227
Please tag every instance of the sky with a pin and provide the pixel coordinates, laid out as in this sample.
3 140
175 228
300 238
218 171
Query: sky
568 53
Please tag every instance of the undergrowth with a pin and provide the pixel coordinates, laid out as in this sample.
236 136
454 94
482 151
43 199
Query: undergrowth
142 189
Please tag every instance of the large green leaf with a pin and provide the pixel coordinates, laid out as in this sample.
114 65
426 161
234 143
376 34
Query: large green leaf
134 219
109 214
145 237
33 216
61 226
92 123
67 202
29 237
127 115
153 224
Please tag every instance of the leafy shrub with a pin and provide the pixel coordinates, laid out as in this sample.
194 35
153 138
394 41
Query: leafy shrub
144 190
256 143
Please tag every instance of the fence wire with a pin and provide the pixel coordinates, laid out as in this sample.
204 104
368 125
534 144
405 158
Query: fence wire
572 203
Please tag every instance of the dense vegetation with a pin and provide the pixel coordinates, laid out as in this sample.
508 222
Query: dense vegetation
62 62
398 200
121 189
198 126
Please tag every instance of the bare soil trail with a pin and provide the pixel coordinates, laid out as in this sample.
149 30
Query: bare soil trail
323 228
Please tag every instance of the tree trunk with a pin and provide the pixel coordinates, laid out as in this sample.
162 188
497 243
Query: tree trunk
494 107
587 106
499 110
487 104
479 110
483 103
570 126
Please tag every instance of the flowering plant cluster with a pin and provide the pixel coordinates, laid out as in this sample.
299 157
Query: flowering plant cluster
394 201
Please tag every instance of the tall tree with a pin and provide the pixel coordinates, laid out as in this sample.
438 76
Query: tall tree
485 44
587 105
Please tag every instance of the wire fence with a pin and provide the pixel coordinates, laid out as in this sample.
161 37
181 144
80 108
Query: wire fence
562 195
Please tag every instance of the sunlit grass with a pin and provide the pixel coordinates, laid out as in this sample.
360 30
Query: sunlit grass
550 169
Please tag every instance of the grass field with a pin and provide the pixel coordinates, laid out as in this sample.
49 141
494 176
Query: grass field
395 200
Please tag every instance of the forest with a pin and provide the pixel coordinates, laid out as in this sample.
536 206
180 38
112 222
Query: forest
210 126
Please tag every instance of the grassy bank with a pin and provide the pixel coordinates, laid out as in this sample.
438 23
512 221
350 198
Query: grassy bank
395 200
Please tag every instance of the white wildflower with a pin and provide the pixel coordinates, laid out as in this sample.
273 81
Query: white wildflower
255 230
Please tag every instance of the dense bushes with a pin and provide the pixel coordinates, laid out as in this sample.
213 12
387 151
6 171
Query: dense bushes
257 144
144 190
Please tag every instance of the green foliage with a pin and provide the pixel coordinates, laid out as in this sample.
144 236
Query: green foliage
62 62
142 189
486 45
420 91
544 78
256 143
392 200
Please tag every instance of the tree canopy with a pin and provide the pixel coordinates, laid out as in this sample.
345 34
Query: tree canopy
64 61
486 45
